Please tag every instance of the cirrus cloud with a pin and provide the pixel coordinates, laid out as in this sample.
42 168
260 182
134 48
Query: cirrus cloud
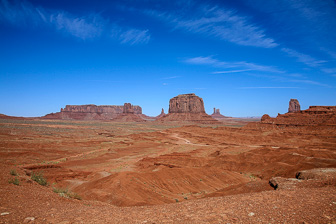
90 27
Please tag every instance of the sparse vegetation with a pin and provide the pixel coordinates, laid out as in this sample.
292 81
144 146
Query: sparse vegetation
66 193
38 177
13 173
14 181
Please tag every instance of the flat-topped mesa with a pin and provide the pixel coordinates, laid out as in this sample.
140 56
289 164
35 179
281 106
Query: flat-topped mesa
294 106
186 103
93 112
91 108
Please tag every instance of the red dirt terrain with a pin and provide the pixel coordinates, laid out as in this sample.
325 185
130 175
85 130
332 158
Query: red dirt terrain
148 172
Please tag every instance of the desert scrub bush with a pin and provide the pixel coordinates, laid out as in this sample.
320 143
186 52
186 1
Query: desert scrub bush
13 173
14 181
38 177
66 193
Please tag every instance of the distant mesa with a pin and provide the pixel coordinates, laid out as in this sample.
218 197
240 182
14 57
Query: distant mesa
189 108
294 106
217 115
93 112
4 116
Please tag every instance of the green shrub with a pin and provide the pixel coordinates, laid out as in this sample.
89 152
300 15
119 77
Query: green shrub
13 173
38 177
14 181
66 193
60 190
75 196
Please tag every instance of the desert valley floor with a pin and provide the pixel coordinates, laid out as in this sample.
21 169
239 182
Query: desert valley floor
152 172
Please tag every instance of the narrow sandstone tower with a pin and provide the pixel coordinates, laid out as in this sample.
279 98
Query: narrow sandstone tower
294 106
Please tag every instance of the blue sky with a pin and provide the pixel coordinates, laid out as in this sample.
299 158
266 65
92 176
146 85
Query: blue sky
245 57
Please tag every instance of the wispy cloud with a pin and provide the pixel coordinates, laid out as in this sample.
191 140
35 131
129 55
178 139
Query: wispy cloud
305 81
239 66
232 71
329 70
134 36
290 78
269 87
219 23
304 58
308 22
322 65
172 77
84 28
91 27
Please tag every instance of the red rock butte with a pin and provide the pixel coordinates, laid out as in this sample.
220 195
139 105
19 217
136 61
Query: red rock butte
189 108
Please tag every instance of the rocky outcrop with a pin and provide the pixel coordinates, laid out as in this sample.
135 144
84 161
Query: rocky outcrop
316 117
294 106
217 115
266 118
92 112
327 175
188 108
317 177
